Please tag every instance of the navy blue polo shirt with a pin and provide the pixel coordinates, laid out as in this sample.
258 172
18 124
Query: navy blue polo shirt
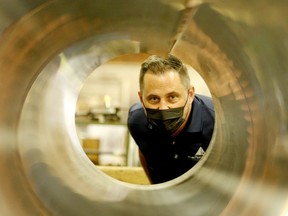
168 157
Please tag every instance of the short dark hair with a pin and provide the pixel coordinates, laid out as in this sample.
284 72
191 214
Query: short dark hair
159 65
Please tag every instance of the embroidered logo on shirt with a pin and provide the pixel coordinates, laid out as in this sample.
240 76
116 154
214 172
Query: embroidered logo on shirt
198 155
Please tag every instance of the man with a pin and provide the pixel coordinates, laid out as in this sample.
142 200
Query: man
172 126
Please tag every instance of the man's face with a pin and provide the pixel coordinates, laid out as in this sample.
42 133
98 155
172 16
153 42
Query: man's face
165 91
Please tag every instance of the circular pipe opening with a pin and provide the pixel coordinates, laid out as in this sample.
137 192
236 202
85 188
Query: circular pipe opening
48 168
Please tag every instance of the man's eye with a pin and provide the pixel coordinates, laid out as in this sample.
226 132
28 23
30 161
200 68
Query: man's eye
153 99
172 97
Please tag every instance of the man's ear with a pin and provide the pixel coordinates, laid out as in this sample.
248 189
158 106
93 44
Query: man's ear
191 93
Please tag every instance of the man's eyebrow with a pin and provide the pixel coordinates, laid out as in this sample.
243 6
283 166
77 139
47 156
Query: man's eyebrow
152 95
173 93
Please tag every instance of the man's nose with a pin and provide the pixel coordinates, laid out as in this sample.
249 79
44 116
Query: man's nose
163 105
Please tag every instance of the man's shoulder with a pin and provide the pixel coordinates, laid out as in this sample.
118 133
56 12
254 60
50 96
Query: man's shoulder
136 107
205 100
137 123
136 114
207 114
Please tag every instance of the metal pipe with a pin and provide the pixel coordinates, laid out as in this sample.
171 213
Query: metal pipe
239 49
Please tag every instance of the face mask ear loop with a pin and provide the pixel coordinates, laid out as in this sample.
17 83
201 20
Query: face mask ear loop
187 98
143 104
186 103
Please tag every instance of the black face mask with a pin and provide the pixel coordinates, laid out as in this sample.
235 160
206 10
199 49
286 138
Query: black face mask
168 120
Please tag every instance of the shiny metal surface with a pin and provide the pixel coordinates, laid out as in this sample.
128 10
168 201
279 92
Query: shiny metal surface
240 49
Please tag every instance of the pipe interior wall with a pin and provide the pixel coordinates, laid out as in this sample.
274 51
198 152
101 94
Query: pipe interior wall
240 50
